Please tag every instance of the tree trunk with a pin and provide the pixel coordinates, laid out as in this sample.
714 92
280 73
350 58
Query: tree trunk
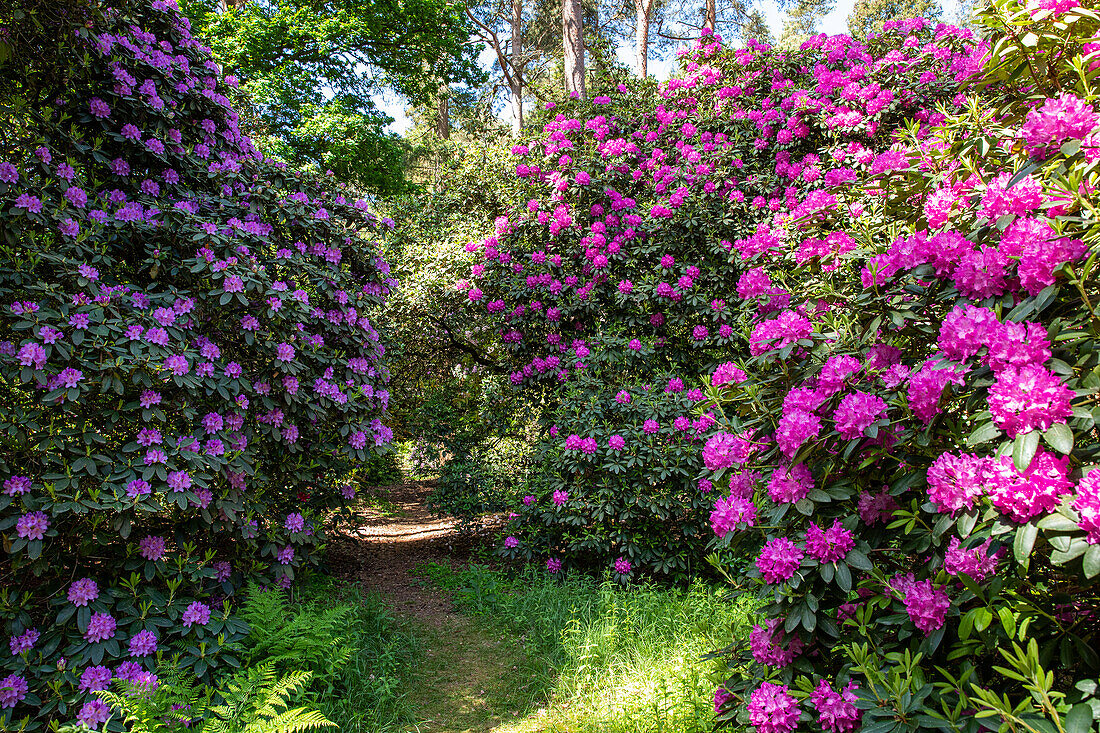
712 15
573 39
516 87
443 113
641 36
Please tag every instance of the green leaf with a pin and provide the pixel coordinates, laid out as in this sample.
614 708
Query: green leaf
983 617
1023 449
983 434
1091 563
1079 719
1024 542
843 577
1057 523
1059 437
859 561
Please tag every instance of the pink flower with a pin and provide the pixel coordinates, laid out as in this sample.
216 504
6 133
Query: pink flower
770 646
1028 398
1087 505
778 560
926 387
511 542
1036 491
553 565
1064 118
857 412
975 562
794 429
728 373
830 545
836 711
927 606
790 485
560 497
957 481
772 710
723 450
622 566
732 513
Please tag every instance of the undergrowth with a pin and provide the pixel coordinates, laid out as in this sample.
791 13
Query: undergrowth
613 659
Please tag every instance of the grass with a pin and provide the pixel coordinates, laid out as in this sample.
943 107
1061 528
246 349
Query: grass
600 656
369 692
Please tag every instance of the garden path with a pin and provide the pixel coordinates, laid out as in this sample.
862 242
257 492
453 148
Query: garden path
466 681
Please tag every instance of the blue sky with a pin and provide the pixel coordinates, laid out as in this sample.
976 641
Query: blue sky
834 22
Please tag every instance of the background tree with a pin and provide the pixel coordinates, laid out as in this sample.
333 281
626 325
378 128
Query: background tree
802 19
313 71
572 30
868 15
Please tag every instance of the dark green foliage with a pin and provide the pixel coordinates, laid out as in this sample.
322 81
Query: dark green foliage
313 71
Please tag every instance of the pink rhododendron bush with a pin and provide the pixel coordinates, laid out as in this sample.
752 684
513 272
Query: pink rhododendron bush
618 286
871 268
186 365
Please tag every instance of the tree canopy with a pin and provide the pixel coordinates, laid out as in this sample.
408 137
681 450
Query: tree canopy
314 70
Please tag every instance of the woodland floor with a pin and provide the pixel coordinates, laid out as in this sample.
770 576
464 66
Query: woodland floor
467 680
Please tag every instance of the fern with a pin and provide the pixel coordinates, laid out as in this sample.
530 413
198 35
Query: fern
173 705
257 701
308 638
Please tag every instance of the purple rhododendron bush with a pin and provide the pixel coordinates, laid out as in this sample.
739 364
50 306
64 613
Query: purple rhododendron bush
186 364
840 305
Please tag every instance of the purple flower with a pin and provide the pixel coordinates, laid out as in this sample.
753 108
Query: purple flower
100 628
553 566
83 591
196 613
286 555
136 488
95 678
32 526
13 689
177 364
511 542
30 203
143 644
99 108
16 485
8 172
32 354
152 548
94 714
829 545
24 642
295 522
622 566
284 352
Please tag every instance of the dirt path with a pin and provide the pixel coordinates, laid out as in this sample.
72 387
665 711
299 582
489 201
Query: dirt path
466 681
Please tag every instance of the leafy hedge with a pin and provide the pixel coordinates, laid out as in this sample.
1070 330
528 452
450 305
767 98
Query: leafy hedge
186 360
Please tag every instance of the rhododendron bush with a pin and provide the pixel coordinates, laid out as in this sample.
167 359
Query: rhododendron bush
871 269
618 273
186 363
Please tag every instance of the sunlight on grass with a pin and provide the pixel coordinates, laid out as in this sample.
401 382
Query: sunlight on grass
617 659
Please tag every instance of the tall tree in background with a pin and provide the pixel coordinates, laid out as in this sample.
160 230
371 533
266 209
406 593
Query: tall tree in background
643 13
313 69
501 25
572 34
679 21
868 15
802 19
